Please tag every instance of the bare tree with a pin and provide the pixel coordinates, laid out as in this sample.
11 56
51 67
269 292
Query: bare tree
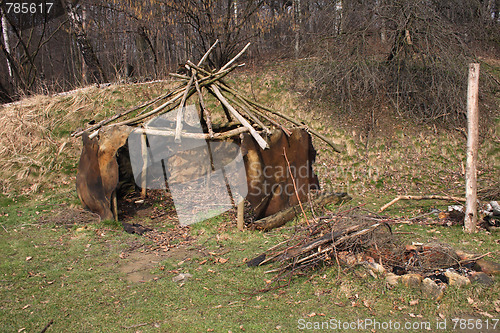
297 17
211 20
94 68
421 70
6 42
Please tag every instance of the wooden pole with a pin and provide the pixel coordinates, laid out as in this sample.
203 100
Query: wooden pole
472 148
144 151
241 215
262 143
180 111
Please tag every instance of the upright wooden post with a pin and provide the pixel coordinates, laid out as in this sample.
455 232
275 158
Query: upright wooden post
472 148
144 151
240 215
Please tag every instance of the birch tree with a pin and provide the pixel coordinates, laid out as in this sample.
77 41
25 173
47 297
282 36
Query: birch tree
95 72
5 35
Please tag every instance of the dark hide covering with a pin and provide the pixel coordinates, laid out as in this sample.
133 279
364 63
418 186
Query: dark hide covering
270 187
89 182
97 176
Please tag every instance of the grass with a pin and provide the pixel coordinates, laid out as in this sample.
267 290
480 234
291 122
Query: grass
70 273
57 273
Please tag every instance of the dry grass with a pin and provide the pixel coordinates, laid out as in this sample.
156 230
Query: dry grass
35 144
25 140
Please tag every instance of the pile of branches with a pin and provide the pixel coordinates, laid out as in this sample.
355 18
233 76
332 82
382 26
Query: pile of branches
353 238
325 241
247 114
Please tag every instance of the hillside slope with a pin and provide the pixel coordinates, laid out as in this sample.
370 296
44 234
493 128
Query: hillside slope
384 156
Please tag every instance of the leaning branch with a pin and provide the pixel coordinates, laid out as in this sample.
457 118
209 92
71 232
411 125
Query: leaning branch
420 197
335 147
262 143
124 113
180 111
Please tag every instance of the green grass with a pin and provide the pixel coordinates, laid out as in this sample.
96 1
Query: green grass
72 277
71 274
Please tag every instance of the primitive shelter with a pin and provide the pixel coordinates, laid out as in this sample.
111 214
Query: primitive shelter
169 141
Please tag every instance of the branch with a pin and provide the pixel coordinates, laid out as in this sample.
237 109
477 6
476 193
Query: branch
180 111
282 217
335 147
262 143
121 114
201 136
420 197
295 186
235 58
204 109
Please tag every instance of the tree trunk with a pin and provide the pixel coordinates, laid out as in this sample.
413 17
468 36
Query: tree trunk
235 12
94 68
5 34
297 26
381 21
85 70
339 8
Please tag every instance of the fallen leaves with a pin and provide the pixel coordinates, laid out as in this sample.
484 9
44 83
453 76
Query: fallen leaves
475 305
221 260
486 314
497 305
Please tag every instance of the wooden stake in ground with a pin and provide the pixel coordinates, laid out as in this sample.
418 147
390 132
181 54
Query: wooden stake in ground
144 151
241 215
472 148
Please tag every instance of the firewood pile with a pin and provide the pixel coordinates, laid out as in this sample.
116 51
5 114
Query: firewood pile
360 238
247 114
327 240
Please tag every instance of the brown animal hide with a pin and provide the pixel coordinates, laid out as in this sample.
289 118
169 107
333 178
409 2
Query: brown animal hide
89 182
97 175
270 187
110 140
